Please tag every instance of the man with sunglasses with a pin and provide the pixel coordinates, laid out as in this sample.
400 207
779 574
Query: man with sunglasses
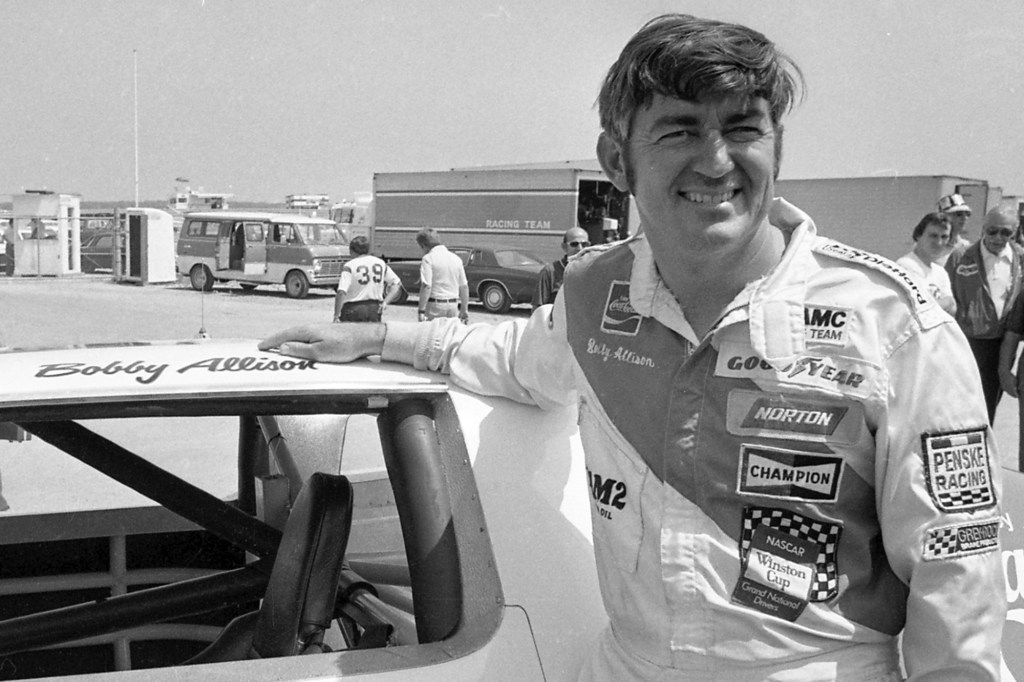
549 281
986 279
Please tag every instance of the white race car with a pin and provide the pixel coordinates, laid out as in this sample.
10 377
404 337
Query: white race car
250 516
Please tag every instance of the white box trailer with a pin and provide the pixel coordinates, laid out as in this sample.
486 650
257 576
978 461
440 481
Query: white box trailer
878 214
522 208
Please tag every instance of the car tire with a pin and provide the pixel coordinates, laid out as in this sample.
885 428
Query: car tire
296 285
201 278
495 298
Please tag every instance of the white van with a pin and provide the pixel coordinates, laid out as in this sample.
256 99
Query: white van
254 248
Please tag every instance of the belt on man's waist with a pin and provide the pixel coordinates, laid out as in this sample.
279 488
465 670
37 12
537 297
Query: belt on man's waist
365 301
443 300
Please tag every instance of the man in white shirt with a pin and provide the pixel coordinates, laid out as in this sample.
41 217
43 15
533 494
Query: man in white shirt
931 236
444 289
367 285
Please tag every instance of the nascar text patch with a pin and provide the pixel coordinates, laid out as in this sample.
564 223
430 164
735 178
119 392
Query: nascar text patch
789 474
960 540
958 470
779 415
777 574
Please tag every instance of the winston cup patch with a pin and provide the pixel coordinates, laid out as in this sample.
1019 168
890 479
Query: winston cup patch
958 470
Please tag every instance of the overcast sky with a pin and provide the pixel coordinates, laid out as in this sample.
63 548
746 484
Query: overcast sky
276 97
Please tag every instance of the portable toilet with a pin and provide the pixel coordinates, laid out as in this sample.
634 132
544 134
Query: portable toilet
48 227
145 253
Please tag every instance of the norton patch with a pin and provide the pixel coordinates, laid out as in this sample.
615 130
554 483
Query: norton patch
789 474
620 317
825 325
960 540
781 415
958 470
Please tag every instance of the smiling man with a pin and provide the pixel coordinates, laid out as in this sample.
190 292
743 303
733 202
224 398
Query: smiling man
778 489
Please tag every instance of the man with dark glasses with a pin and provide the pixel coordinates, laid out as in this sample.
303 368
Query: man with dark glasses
549 282
986 278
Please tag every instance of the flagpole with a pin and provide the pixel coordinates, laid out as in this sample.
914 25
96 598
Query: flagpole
135 69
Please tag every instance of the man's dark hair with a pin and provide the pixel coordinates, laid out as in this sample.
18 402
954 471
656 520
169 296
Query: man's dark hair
689 58
359 245
935 218
427 238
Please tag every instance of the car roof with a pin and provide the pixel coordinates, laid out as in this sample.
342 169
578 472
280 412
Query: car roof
258 215
187 369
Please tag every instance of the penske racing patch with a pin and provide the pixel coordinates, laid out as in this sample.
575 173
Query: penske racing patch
789 474
963 539
958 470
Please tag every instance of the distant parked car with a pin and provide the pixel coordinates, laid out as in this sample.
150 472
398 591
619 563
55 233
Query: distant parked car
499 278
98 251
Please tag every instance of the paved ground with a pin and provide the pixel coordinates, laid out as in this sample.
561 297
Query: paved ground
93 309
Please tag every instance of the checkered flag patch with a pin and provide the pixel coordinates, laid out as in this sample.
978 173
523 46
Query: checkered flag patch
824 535
941 543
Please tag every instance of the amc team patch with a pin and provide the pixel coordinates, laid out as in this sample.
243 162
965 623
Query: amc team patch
825 325
958 470
960 540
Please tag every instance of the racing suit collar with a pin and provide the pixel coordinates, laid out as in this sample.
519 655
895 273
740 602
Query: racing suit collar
774 303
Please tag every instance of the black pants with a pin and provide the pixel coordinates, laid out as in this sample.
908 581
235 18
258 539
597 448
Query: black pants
361 311
986 354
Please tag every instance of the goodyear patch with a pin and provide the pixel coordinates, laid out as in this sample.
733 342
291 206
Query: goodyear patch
837 374
958 470
963 539
826 325
620 317
789 474
757 413
824 537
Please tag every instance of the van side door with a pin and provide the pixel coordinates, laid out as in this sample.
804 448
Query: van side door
223 259
255 259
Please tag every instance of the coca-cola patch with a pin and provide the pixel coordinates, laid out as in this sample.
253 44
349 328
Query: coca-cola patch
620 317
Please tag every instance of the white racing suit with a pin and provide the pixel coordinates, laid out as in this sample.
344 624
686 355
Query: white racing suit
781 499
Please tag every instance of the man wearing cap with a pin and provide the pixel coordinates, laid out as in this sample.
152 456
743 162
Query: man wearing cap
549 280
986 278
367 285
956 209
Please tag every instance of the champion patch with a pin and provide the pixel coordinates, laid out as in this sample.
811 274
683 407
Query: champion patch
825 325
824 584
620 317
958 470
788 474
951 542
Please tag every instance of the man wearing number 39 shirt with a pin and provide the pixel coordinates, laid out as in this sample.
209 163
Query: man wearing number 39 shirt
366 286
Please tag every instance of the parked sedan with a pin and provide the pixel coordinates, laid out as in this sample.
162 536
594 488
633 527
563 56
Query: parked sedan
98 251
499 278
